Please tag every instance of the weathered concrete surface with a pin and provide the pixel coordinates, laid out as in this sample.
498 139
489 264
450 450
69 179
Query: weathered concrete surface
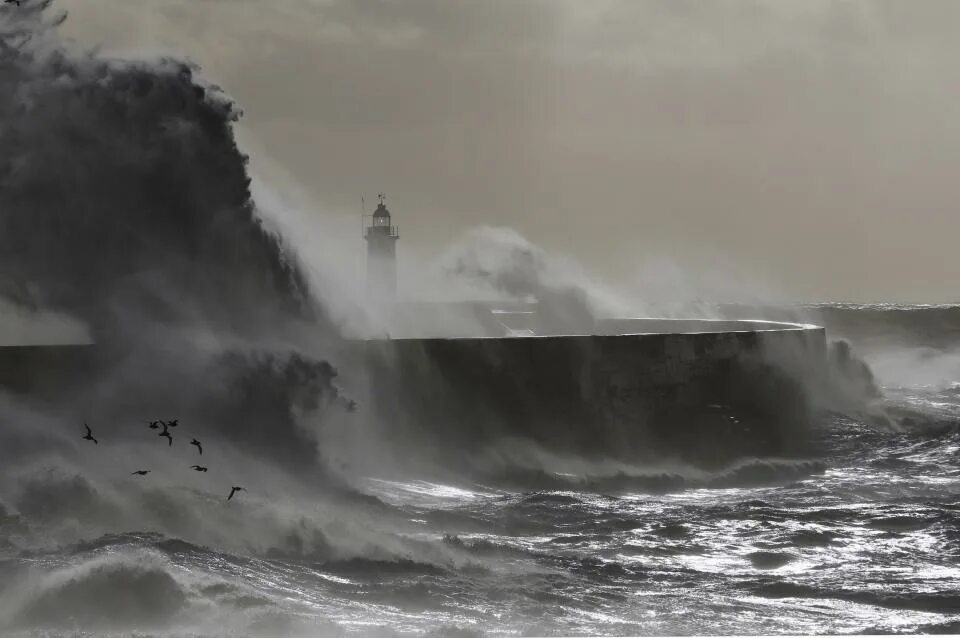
705 391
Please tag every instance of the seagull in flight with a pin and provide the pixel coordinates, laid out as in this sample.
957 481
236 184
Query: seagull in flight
166 434
198 468
140 472
16 2
197 443
89 436
234 490
172 424
154 425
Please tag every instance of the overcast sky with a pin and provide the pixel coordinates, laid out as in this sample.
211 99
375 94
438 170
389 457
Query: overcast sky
810 144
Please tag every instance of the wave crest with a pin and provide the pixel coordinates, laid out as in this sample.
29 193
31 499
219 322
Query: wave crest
113 593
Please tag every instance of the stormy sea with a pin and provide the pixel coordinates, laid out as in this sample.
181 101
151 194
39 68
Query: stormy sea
128 221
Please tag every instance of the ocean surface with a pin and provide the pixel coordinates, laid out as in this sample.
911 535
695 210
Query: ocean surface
863 538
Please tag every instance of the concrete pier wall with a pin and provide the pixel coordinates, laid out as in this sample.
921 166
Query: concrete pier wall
701 390
706 391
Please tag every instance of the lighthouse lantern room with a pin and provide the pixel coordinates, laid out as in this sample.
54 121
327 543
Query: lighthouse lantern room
381 237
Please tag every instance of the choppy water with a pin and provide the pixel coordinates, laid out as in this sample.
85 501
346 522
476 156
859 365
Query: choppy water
865 539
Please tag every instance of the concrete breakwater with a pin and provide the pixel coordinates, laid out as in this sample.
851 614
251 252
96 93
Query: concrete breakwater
702 390
706 391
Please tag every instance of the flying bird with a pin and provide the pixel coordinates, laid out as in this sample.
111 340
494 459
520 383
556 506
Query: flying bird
166 434
16 2
234 490
154 425
172 424
198 468
197 443
89 436
140 472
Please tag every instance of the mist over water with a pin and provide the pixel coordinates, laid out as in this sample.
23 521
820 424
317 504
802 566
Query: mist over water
127 218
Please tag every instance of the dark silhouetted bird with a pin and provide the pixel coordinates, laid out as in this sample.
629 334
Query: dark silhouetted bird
198 468
89 436
172 424
154 425
234 490
140 472
166 434
16 2
197 443
351 406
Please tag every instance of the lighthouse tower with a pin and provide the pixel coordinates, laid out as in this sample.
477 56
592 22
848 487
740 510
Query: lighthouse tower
381 238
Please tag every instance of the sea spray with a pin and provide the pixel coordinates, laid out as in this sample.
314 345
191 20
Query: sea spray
125 198
126 205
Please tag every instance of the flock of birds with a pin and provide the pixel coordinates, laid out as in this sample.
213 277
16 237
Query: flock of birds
166 425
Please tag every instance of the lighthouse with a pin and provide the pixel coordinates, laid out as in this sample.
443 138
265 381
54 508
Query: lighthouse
381 236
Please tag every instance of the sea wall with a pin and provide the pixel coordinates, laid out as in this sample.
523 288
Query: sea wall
702 390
